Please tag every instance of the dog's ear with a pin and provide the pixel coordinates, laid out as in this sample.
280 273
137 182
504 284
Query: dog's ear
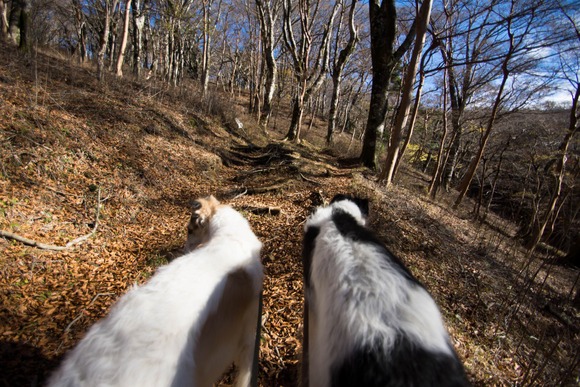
339 197
363 204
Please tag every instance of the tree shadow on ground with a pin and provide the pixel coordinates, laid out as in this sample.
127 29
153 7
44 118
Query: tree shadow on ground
24 365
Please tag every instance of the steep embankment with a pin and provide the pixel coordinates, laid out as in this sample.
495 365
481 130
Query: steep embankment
141 153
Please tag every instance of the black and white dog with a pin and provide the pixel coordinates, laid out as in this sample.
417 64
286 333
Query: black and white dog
186 325
368 321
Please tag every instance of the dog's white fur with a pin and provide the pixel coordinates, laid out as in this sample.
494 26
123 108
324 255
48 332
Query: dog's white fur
359 297
186 325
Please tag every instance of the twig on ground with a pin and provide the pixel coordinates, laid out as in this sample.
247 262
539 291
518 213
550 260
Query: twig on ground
68 327
44 246
309 180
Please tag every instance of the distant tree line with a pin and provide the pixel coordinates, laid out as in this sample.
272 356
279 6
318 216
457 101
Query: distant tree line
454 86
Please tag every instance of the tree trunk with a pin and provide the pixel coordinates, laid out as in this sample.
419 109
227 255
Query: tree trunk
333 108
436 180
206 55
337 69
81 31
412 122
267 17
296 123
138 24
121 56
3 20
308 72
24 24
13 20
422 19
466 181
383 18
104 39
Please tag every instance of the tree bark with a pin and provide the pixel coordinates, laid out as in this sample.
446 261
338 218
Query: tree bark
138 24
267 15
121 57
24 24
13 20
3 20
110 6
383 18
437 173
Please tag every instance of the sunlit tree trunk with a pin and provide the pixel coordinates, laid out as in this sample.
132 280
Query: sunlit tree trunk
267 15
110 6
121 57
138 24
340 60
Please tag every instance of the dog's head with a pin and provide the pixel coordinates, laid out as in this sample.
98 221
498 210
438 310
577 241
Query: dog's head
203 210
362 204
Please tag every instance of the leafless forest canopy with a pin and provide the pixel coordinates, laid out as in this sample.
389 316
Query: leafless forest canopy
478 97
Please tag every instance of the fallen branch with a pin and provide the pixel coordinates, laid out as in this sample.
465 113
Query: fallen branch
309 180
31 242
44 246
262 210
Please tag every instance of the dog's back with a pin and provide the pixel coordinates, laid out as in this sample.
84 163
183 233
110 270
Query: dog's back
368 321
186 325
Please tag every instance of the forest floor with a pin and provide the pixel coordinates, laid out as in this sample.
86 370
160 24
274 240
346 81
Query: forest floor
142 152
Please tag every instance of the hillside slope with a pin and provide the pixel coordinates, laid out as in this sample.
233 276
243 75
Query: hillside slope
142 152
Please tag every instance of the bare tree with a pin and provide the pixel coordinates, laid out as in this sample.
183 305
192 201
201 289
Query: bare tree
339 61
108 12
138 20
422 20
268 15
520 20
308 73
466 34
569 70
383 19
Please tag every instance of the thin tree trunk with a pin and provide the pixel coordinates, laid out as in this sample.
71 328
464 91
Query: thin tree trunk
104 39
560 172
267 17
121 56
338 67
436 180
3 20
138 24
466 181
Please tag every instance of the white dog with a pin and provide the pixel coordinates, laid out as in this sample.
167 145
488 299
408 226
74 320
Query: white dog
186 325
368 321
